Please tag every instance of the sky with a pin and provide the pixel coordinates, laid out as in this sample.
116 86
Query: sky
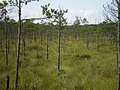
90 9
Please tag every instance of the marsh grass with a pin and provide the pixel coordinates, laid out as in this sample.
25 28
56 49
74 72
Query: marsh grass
81 68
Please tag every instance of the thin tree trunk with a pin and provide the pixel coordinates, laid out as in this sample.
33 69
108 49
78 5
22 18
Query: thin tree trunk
7 82
59 37
18 48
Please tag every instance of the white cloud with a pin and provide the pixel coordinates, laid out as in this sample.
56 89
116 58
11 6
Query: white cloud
90 14
27 13
87 12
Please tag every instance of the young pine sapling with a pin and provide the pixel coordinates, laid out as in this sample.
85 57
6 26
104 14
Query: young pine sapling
58 18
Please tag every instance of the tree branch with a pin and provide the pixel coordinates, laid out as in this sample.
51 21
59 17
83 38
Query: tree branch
117 1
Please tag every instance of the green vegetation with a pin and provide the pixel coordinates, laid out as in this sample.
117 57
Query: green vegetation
53 55
81 68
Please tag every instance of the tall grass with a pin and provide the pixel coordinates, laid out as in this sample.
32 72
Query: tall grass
98 72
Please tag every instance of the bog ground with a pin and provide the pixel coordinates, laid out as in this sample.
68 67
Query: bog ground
82 68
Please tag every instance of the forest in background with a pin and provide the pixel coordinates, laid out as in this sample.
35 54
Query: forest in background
57 56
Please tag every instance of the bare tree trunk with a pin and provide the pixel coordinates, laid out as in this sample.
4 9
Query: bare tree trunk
59 38
18 48
7 82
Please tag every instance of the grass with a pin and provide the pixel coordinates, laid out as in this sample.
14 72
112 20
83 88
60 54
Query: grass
98 72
